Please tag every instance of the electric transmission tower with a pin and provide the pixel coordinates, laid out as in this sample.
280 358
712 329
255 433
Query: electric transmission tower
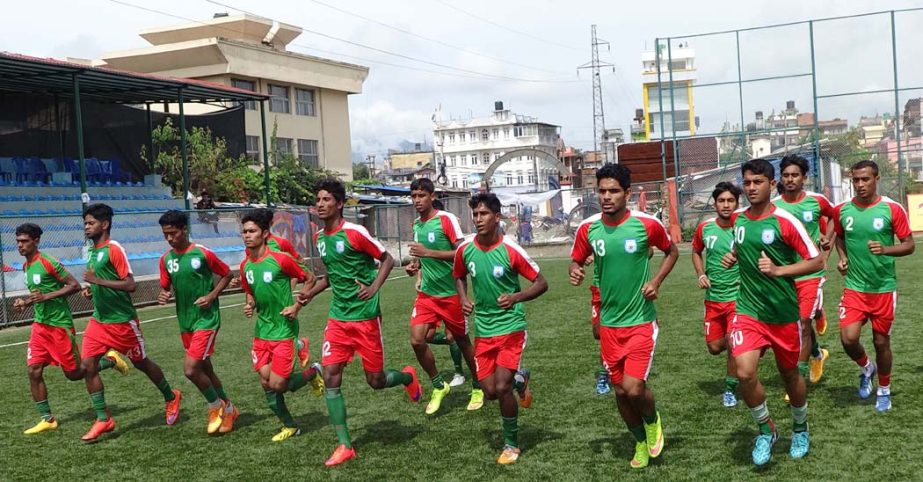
599 119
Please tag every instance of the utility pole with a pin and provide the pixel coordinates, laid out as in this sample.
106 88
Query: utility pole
370 160
599 120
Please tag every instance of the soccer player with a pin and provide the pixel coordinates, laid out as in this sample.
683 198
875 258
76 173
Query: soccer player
354 320
619 240
266 278
494 263
715 238
114 326
811 209
189 269
772 249
53 340
866 227
436 235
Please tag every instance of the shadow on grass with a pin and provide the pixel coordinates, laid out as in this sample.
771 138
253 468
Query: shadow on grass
618 446
89 415
246 419
388 432
711 387
529 437
847 396
311 422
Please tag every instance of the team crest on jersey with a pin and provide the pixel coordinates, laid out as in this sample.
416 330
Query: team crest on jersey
498 271
768 236
807 216
99 256
36 279
196 263
267 276
431 237
631 245
340 246
878 224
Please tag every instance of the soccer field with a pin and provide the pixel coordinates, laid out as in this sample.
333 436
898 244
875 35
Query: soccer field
570 433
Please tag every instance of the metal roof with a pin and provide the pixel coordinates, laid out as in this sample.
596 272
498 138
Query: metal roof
23 74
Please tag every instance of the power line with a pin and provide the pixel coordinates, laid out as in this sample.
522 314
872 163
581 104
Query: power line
599 120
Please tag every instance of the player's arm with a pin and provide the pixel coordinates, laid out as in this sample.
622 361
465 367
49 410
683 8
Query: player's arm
70 287
843 265
165 283
580 252
794 234
367 292
671 255
249 306
420 251
900 225
536 289
460 272
698 263
125 284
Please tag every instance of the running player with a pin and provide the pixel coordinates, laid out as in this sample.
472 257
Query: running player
266 278
495 262
771 248
189 270
436 235
53 340
811 209
354 320
619 240
866 227
715 237
114 326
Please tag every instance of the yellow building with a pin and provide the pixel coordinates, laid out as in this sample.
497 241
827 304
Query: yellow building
682 63
408 160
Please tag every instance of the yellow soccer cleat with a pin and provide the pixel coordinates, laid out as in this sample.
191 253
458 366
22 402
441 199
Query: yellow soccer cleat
786 398
642 456
436 401
286 433
216 418
817 366
42 426
509 455
477 399
121 365
317 383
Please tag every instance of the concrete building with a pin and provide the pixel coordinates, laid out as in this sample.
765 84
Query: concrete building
835 127
309 104
681 61
468 147
408 160
874 129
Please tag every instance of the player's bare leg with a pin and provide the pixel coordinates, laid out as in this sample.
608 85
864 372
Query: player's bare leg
796 387
883 358
499 386
420 337
275 387
716 347
754 395
643 414
171 396
467 350
195 371
230 410
849 337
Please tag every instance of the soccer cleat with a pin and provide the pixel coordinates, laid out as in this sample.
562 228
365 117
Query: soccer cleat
477 399
817 366
865 382
303 354
525 394
173 407
762 448
786 398
509 455
227 421
42 426
820 324
286 433
341 454
730 400
654 434
436 399
215 418
800 444
602 384
457 380
883 402
99 427
121 365
414 390
642 456
317 383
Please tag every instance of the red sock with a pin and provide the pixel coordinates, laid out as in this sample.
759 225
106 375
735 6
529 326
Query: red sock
884 380
862 362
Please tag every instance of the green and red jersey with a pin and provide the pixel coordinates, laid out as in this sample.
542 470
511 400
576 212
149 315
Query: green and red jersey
620 253
811 209
110 262
349 253
45 274
785 241
716 241
282 245
881 221
494 271
191 274
268 281
440 232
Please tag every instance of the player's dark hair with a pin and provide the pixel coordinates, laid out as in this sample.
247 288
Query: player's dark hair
723 187
258 217
423 184
488 199
175 218
437 204
333 186
794 160
759 166
622 174
31 230
101 212
864 164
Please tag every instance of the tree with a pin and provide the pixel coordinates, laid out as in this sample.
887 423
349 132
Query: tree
361 171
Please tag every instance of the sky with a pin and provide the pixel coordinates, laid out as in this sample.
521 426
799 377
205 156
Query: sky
463 56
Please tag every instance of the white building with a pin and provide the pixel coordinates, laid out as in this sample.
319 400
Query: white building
680 59
468 147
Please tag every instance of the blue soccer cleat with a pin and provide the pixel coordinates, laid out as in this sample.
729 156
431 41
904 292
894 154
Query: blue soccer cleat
729 399
800 444
883 402
602 384
762 448
865 383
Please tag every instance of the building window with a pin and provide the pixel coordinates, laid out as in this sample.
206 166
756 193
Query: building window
517 131
495 133
253 149
531 178
518 177
485 158
278 99
304 102
452 161
307 152
485 135
509 179
506 132
454 182
472 136
451 138
465 182
464 160
245 85
497 156
283 147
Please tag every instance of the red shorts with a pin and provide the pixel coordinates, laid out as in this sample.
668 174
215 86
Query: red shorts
503 350
628 351
278 354
718 318
595 305
810 296
53 345
428 309
750 334
125 338
199 344
343 339
858 307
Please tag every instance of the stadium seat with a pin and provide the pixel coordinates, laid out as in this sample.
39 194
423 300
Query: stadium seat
39 171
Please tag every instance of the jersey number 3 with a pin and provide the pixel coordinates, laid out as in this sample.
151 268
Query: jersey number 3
172 266
599 247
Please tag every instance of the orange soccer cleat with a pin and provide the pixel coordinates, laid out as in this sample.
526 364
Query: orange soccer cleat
99 427
341 454
173 407
414 390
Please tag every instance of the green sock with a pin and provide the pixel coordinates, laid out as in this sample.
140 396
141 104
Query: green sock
730 384
221 394
511 431
803 369
815 347
639 433
45 409
276 403
106 363
336 410
438 382
211 396
650 419
440 339
800 417
456 353
165 389
394 378
297 380
475 385
98 400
